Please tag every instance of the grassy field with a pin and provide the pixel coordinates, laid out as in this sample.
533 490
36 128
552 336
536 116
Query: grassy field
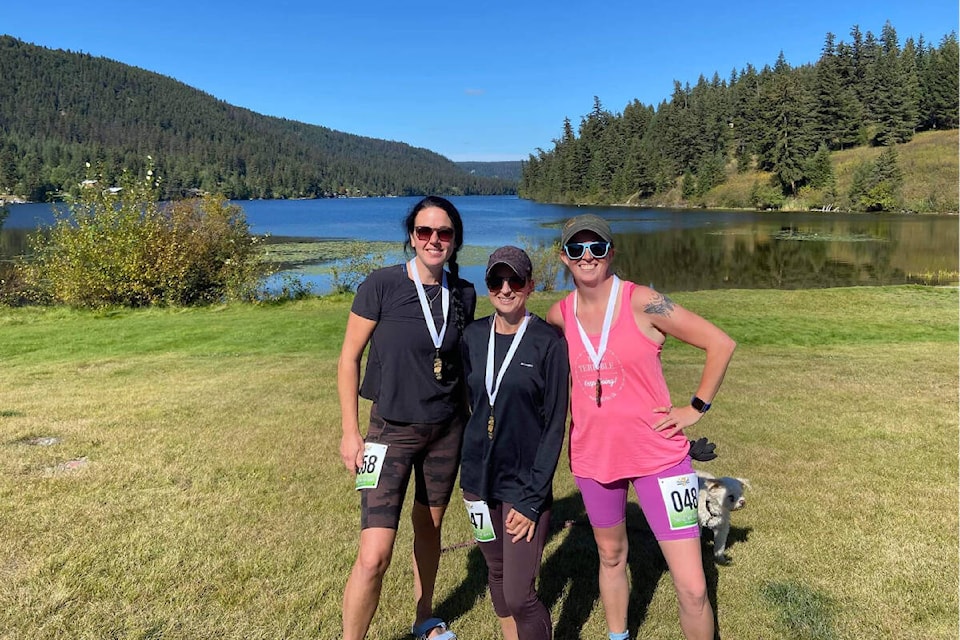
196 491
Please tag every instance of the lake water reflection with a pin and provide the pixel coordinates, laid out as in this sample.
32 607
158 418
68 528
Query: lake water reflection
673 250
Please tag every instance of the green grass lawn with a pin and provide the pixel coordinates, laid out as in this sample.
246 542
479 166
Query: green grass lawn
209 500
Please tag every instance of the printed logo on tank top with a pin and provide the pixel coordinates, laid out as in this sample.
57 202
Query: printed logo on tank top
585 376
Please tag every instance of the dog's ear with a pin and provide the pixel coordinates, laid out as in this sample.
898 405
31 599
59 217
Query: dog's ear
713 483
745 483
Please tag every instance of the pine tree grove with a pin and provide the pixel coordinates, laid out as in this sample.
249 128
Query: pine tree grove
780 119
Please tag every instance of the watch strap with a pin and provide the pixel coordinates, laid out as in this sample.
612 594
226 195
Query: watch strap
699 404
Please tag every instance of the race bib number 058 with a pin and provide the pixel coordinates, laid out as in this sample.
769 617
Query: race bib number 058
368 475
680 499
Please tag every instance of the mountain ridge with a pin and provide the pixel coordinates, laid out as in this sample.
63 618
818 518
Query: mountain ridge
60 110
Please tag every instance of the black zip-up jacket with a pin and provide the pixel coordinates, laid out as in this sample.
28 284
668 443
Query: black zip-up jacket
530 414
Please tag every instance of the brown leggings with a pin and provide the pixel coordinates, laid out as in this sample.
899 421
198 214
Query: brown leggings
430 451
512 569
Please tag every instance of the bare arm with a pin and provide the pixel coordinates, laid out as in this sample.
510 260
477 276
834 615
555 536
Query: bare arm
555 316
671 319
355 339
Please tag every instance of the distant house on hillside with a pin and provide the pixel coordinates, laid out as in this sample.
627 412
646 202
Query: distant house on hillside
88 184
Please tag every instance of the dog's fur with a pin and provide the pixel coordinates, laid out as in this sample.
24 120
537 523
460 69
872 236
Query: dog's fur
717 497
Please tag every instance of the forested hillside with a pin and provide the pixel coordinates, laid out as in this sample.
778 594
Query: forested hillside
782 122
508 169
60 110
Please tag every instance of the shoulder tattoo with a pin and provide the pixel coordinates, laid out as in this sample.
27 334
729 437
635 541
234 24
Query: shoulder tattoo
659 305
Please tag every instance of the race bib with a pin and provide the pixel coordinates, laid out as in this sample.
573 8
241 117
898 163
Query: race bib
680 500
368 475
479 514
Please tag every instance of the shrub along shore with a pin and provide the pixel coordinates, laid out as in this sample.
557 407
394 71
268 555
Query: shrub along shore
174 473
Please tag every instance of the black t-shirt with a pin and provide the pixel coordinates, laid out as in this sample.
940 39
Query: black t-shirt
530 414
399 376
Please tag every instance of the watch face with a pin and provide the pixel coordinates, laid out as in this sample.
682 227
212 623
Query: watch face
699 404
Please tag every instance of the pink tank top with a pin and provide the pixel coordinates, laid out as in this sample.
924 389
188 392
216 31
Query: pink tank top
616 440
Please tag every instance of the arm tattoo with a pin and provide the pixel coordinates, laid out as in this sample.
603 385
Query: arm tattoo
661 305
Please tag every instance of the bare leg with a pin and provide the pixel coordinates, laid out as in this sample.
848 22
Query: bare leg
614 586
362 593
426 556
509 627
686 568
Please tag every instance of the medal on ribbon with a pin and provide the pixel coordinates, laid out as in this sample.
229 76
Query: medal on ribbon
596 355
436 337
494 388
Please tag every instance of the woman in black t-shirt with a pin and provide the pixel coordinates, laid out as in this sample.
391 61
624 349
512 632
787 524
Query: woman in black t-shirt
412 316
517 374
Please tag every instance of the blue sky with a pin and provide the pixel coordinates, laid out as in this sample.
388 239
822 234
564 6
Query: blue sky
472 81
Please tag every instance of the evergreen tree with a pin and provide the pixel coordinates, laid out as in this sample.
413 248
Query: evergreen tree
790 128
819 171
910 73
837 118
891 107
939 86
867 86
746 117
709 172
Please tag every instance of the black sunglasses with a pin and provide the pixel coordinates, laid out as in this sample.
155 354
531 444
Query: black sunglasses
575 250
495 283
444 234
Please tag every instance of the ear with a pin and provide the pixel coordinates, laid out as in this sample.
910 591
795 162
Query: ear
745 483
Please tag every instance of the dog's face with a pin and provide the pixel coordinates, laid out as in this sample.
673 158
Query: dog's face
727 491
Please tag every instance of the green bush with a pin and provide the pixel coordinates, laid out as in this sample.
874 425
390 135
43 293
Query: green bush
877 186
545 257
358 264
766 196
121 246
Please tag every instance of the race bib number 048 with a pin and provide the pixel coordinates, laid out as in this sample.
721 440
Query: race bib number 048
680 500
368 475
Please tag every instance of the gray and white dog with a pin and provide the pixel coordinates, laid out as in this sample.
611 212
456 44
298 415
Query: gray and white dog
717 497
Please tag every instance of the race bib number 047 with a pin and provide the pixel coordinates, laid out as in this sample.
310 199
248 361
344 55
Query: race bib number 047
479 514
680 500
368 475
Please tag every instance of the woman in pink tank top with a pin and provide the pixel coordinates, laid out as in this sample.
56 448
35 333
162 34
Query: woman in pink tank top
624 429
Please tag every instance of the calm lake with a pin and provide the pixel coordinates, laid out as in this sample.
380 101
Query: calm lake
674 250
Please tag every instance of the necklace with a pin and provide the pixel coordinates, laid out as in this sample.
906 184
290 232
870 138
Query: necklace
435 296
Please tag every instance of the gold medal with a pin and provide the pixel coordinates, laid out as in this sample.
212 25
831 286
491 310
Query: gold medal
599 391
438 367
490 424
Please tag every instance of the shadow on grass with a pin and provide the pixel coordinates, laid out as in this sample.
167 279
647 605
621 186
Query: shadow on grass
573 566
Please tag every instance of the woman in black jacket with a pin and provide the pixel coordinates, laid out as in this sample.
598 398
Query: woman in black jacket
517 373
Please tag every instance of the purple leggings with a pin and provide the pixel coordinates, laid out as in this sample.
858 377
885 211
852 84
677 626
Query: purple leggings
606 503
512 569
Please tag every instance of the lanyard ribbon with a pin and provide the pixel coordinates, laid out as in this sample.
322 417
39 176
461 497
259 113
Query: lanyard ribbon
427 315
596 355
492 390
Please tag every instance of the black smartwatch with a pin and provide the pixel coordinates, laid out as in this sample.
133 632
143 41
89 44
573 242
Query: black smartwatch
699 404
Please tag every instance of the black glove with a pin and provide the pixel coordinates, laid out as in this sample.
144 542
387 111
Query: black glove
702 450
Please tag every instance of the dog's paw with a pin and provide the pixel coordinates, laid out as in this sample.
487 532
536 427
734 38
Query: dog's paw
722 559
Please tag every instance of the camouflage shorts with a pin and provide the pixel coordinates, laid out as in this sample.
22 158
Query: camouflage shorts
430 451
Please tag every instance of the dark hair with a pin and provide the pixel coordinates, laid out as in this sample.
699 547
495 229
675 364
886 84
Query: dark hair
410 222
